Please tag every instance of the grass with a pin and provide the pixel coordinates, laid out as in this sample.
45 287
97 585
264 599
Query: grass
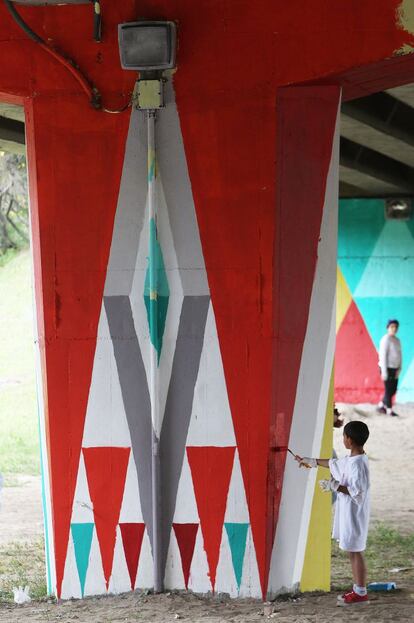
22 564
386 549
19 442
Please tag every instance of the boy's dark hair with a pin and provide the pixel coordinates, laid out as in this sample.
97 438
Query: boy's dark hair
393 321
357 431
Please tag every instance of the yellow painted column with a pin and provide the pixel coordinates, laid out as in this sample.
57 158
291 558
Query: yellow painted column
316 572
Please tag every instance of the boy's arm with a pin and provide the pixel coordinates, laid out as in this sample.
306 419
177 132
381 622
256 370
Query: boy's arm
343 489
323 463
306 461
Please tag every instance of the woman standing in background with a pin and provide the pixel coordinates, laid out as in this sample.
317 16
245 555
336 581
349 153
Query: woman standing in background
390 362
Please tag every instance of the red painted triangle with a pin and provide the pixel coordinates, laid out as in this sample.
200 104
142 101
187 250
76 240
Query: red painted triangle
211 471
186 534
357 377
106 470
132 535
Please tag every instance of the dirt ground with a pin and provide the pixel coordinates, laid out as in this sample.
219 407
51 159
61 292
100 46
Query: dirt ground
398 607
21 517
391 451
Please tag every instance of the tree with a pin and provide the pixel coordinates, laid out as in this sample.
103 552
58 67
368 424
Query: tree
14 213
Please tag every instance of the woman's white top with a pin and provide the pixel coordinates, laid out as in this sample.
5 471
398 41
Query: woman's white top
389 353
352 511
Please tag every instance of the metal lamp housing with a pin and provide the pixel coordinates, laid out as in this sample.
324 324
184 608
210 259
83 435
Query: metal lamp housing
147 45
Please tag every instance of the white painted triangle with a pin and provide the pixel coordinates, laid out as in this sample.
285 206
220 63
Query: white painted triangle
162 378
174 576
199 580
145 574
186 505
211 422
71 587
120 581
225 577
250 582
131 511
237 509
105 423
95 580
82 509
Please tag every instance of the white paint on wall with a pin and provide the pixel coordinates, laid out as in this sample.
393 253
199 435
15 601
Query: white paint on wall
70 584
211 423
95 580
131 505
186 505
174 576
105 424
120 581
225 577
199 581
82 510
145 574
236 510
250 585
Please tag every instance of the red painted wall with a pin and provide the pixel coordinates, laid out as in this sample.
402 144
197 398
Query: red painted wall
232 57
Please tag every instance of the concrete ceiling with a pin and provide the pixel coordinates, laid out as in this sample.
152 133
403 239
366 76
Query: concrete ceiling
377 145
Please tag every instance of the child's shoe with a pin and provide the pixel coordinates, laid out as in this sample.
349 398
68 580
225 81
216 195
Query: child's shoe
352 599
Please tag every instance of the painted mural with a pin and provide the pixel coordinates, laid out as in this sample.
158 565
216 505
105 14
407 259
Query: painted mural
245 250
207 539
375 283
206 534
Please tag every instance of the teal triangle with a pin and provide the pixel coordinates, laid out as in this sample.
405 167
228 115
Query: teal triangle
237 535
360 224
377 310
156 302
410 225
82 540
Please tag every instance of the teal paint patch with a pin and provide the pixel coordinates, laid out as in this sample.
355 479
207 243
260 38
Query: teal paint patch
360 224
376 311
406 385
410 225
158 308
82 540
151 170
237 536
389 271
156 291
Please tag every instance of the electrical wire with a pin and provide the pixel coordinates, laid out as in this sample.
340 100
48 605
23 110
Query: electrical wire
90 90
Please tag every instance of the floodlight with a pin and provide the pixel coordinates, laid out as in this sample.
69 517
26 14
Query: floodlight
147 45
398 209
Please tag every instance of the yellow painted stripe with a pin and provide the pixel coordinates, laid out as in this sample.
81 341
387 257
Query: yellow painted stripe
343 298
316 572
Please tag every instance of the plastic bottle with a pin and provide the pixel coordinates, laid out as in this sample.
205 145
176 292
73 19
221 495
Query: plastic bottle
382 586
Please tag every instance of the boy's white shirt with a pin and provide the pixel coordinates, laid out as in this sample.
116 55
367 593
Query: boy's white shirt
389 353
352 511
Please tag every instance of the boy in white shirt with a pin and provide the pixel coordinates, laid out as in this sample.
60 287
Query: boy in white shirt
350 479
390 362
